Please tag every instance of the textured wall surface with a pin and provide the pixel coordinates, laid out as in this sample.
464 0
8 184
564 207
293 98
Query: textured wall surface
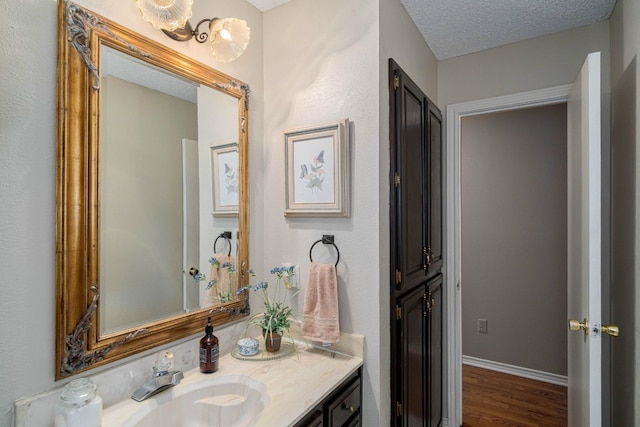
28 181
320 66
27 200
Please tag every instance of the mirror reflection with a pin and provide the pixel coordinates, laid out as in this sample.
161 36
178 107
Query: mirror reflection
169 193
152 160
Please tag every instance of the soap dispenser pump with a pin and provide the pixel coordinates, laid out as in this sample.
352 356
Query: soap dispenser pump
209 350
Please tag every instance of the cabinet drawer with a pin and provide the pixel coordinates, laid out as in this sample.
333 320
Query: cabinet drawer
355 422
312 420
345 405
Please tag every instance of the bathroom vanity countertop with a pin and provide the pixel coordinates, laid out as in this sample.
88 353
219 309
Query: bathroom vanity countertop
294 384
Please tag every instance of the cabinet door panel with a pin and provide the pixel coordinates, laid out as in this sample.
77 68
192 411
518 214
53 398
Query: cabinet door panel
314 420
434 374
434 238
408 191
355 422
347 404
412 187
413 361
341 408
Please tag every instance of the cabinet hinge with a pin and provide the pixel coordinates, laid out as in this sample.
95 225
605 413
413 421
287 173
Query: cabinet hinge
396 179
396 82
398 409
398 277
426 308
398 312
427 257
429 302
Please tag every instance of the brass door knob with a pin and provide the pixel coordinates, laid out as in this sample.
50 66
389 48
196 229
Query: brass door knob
612 330
576 325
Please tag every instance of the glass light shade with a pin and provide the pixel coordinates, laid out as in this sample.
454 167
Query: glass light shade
165 14
229 38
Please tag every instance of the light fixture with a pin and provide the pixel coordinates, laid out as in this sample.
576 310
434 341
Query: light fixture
228 37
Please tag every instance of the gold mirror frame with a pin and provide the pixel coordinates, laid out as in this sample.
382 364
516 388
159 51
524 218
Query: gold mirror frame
79 345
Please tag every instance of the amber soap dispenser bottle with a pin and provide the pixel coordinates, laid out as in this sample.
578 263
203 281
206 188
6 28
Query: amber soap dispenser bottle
209 350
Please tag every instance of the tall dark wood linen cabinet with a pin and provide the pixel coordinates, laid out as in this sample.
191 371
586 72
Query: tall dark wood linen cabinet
416 253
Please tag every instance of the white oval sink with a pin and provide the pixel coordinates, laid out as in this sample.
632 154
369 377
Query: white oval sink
229 401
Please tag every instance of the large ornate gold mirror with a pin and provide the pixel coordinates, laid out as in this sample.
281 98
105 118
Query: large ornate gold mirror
152 193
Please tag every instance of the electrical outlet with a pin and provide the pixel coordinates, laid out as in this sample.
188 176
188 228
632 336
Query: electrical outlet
483 326
295 280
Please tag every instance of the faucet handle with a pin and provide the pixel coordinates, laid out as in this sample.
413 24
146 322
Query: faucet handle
164 362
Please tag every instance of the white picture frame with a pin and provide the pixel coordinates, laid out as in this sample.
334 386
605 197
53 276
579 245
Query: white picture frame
225 182
317 171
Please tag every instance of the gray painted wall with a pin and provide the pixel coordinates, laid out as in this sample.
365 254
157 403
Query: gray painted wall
625 268
142 160
538 63
514 227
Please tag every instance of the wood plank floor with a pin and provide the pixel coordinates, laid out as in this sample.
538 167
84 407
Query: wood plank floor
494 399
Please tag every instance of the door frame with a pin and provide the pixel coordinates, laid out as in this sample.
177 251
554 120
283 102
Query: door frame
453 247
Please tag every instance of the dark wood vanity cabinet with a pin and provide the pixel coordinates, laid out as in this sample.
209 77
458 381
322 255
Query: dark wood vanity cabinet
416 239
342 408
314 419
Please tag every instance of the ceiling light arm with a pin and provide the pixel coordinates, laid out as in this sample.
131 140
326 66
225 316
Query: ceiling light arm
187 32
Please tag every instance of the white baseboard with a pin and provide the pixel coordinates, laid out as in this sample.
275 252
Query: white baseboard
516 370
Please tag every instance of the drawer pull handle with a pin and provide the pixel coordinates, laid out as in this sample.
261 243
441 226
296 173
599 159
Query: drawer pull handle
349 408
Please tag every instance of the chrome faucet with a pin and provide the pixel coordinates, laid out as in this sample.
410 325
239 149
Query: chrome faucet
162 378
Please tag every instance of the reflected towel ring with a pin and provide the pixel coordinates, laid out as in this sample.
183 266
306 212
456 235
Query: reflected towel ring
327 239
226 235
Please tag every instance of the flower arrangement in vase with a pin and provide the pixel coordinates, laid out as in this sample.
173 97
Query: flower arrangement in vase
276 318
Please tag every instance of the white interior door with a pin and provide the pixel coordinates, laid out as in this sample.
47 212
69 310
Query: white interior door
584 247
190 222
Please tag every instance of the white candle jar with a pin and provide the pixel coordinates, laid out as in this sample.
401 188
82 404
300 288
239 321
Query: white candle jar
79 406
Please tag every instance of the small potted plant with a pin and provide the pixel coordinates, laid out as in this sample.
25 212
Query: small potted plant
278 314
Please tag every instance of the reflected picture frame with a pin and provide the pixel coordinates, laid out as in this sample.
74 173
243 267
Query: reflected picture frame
225 182
317 171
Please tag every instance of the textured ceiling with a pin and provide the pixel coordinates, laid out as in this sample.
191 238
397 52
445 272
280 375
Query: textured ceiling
457 27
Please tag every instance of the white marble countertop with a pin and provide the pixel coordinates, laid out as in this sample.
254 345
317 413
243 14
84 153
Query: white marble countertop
294 384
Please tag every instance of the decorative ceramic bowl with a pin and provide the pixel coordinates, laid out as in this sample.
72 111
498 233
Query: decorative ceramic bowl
248 346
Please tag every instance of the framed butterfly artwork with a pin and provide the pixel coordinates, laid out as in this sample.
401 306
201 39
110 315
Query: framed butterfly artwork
317 172
225 179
